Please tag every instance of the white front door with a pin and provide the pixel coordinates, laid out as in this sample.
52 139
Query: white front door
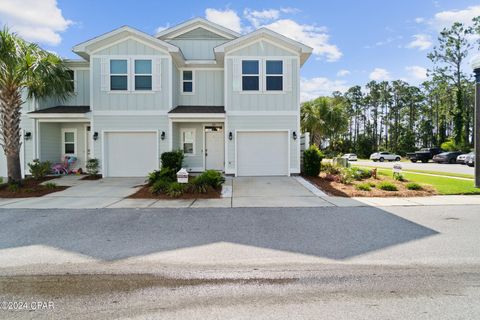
88 136
214 150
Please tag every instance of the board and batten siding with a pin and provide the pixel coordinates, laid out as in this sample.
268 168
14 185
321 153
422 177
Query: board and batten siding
155 100
81 96
197 49
237 100
50 144
26 150
130 123
208 89
260 123
190 162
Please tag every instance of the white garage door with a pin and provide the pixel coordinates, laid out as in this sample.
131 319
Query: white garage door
262 153
130 154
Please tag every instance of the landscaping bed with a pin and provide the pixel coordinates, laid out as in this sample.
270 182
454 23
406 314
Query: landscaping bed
146 193
92 177
29 188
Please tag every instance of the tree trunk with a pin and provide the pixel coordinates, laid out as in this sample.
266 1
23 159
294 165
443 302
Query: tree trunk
10 110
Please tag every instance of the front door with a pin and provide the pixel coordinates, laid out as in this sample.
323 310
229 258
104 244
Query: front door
214 148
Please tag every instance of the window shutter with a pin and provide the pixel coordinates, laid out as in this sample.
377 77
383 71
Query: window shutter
287 74
157 74
237 74
105 75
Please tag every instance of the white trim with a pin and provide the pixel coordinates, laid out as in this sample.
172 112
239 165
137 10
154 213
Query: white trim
262 130
262 113
104 169
299 169
182 142
75 142
205 144
59 116
197 115
185 93
130 113
35 138
170 133
87 138
205 61
194 23
170 82
96 51
64 120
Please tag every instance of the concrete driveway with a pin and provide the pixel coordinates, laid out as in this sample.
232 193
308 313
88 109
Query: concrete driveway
273 192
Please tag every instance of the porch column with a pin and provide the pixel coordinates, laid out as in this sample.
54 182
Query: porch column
476 69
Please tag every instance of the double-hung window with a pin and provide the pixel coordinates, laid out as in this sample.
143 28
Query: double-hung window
69 141
71 81
187 81
119 74
188 141
250 75
274 75
143 75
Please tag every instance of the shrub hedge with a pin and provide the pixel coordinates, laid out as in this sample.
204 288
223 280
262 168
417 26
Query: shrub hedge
312 159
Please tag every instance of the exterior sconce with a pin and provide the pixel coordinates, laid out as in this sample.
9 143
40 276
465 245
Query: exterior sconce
294 135
162 136
27 135
95 136
230 135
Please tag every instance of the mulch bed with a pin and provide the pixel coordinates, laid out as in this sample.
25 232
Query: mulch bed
30 188
144 193
338 189
96 177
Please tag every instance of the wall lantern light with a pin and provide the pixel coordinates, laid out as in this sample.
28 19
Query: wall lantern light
27 135
95 136
162 136
294 135
230 135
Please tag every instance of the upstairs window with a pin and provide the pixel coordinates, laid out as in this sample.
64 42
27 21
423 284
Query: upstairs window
187 81
71 80
143 74
118 75
274 75
250 75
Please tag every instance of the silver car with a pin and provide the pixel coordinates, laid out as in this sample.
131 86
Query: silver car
463 157
350 156
384 155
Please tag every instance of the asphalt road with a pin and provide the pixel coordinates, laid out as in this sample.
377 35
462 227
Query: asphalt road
277 263
430 166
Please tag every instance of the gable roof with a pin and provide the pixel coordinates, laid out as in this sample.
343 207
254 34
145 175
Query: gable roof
263 33
195 23
84 49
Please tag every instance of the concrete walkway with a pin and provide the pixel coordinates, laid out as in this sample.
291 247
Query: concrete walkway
237 193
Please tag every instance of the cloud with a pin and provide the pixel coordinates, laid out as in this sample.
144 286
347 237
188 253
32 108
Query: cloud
444 19
420 41
257 18
36 21
320 86
416 73
226 18
343 73
311 35
161 28
379 74
419 20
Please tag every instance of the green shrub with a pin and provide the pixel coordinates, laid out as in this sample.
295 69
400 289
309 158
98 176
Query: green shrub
413 186
360 174
50 185
398 177
172 159
387 186
92 167
1 180
312 159
449 145
346 176
372 184
39 169
163 174
363 187
160 186
13 187
209 178
175 189
329 168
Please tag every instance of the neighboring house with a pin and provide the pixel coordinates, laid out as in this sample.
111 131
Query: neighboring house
231 102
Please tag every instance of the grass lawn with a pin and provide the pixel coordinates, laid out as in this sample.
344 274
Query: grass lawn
448 174
443 185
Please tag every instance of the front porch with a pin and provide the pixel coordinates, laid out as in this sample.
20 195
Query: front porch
200 133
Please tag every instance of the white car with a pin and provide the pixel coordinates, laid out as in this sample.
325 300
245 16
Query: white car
463 157
384 155
350 156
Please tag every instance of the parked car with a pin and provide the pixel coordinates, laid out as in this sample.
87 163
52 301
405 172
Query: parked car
447 157
424 154
384 155
470 160
461 158
350 156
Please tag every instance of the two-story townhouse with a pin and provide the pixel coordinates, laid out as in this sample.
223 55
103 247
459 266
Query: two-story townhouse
230 102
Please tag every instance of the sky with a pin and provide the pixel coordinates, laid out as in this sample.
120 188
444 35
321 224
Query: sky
353 41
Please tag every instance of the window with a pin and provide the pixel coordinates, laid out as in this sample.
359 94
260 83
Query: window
71 80
118 74
274 75
250 75
188 141
143 74
69 141
187 81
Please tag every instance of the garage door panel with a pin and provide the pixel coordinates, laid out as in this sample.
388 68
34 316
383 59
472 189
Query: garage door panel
262 153
130 154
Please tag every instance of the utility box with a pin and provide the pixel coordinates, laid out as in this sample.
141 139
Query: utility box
182 176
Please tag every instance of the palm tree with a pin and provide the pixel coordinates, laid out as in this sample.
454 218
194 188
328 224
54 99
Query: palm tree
24 68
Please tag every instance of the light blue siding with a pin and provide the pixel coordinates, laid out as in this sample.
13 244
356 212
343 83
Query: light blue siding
197 49
208 89
262 48
190 162
130 47
264 123
50 144
200 33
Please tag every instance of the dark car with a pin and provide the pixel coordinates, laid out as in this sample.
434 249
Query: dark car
424 154
447 157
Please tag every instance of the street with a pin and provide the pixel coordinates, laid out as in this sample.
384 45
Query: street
269 263
430 166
